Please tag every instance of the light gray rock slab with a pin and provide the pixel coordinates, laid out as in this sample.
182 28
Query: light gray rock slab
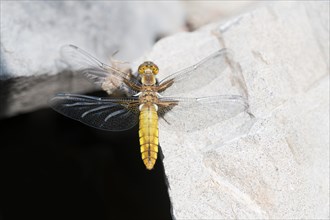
200 13
279 167
32 33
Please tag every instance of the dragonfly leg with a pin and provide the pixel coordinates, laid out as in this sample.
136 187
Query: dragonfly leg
162 87
132 85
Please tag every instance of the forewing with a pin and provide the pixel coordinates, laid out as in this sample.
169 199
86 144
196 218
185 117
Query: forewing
198 75
101 113
107 77
191 114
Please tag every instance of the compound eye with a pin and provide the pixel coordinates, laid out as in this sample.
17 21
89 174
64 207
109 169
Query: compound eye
154 69
141 69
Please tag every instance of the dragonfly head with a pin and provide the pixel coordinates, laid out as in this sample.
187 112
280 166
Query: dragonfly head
148 67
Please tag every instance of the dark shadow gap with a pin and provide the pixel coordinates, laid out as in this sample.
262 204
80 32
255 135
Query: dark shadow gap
5 85
53 167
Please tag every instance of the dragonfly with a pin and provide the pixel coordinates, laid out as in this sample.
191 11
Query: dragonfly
147 101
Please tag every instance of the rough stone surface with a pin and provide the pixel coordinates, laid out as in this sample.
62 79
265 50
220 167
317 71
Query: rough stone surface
200 13
33 32
279 169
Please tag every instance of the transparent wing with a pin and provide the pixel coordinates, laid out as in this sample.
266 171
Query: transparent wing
107 77
101 113
190 114
198 75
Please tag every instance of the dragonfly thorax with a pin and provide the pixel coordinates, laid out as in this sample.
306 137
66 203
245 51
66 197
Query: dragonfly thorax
148 79
148 96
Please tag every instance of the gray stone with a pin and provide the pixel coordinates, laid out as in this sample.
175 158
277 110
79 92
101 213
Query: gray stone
32 33
279 167
201 13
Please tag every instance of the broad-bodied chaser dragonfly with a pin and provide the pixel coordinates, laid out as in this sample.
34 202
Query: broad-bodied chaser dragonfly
146 100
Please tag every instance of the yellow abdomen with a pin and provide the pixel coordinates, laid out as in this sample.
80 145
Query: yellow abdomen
148 133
